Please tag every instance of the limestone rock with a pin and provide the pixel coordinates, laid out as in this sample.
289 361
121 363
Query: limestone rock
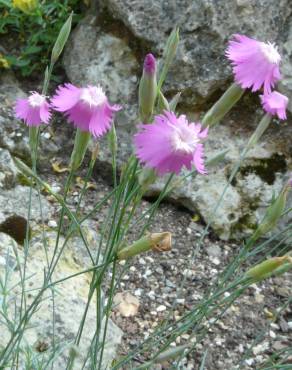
8 170
15 202
70 300
107 44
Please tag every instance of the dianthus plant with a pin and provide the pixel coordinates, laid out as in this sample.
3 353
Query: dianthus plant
167 146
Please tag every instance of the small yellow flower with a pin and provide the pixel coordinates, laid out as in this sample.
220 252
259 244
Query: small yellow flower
27 6
4 62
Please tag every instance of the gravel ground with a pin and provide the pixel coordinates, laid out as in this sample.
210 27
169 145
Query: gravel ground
155 281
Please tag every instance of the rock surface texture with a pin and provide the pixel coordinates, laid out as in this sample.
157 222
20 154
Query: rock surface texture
69 308
108 47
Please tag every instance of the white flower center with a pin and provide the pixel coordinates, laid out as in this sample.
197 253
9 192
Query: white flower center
36 100
93 96
183 140
270 52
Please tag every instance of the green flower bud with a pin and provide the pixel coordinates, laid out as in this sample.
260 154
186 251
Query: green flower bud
61 39
79 150
146 177
273 214
158 242
265 269
168 55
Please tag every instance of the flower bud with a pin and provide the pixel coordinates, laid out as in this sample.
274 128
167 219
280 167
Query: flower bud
265 269
79 150
168 55
113 140
146 177
158 242
273 214
61 39
147 88
223 105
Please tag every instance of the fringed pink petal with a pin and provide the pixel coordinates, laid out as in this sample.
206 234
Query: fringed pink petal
255 64
80 116
45 113
275 104
101 121
199 159
169 144
66 97
21 109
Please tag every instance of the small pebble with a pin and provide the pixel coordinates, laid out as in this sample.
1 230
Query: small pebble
161 308
249 361
52 223
46 135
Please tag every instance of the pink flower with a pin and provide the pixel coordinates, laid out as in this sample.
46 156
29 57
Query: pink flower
275 103
33 110
255 63
170 143
87 108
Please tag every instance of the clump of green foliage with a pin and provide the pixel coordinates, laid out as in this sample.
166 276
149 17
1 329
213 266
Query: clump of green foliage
29 28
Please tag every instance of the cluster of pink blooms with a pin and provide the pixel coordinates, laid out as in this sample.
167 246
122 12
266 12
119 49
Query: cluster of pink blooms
86 108
170 142
256 66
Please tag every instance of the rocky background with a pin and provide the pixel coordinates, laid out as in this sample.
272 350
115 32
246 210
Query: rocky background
108 47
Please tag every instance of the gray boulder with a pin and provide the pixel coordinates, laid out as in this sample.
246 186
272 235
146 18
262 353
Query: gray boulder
69 308
201 72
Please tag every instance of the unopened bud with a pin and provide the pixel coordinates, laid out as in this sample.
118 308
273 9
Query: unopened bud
273 214
146 177
79 150
147 88
61 39
158 242
223 105
267 268
113 140
168 55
